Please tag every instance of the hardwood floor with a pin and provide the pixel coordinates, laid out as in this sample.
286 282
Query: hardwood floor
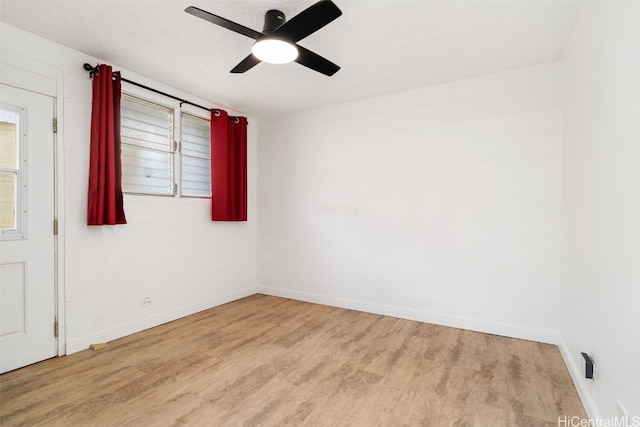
277 362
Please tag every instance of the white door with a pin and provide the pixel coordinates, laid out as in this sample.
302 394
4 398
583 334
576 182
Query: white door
27 286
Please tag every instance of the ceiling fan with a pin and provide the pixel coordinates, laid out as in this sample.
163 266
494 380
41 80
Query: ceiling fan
277 43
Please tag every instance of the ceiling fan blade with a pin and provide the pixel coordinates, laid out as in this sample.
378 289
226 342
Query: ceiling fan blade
218 20
316 62
308 21
246 64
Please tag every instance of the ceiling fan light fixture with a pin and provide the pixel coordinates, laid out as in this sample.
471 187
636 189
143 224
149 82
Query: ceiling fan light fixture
274 51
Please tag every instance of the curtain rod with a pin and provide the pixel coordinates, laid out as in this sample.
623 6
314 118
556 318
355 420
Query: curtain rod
93 70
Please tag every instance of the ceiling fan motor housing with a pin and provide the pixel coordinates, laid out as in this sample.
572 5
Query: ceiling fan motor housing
272 20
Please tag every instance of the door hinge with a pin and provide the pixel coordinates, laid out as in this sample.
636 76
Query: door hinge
55 125
175 188
55 227
55 328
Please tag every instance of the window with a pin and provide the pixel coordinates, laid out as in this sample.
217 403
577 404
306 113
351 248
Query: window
148 155
147 147
12 177
196 156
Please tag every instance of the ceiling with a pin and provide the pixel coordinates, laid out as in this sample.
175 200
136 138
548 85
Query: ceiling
383 46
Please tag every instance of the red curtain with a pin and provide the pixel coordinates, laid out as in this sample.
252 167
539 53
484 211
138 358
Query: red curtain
105 205
228 167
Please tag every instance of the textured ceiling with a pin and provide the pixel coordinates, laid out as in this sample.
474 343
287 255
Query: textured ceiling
383 46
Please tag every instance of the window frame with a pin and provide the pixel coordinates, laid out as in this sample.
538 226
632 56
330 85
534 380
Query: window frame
171 147
178 109
182 156
20 231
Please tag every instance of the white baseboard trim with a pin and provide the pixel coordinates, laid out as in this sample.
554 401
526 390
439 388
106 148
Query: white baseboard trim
496 328
579 381
111 334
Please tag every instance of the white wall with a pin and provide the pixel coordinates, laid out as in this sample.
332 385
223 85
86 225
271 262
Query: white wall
440 204
169 250
601 206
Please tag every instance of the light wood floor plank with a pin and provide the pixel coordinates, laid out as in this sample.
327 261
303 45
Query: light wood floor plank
267 361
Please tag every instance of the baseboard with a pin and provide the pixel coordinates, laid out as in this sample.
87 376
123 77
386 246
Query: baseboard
111 334
579 381
496 328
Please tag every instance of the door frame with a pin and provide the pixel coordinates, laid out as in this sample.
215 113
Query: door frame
29 75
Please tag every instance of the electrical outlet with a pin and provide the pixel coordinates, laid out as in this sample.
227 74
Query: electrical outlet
621 414
145 302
